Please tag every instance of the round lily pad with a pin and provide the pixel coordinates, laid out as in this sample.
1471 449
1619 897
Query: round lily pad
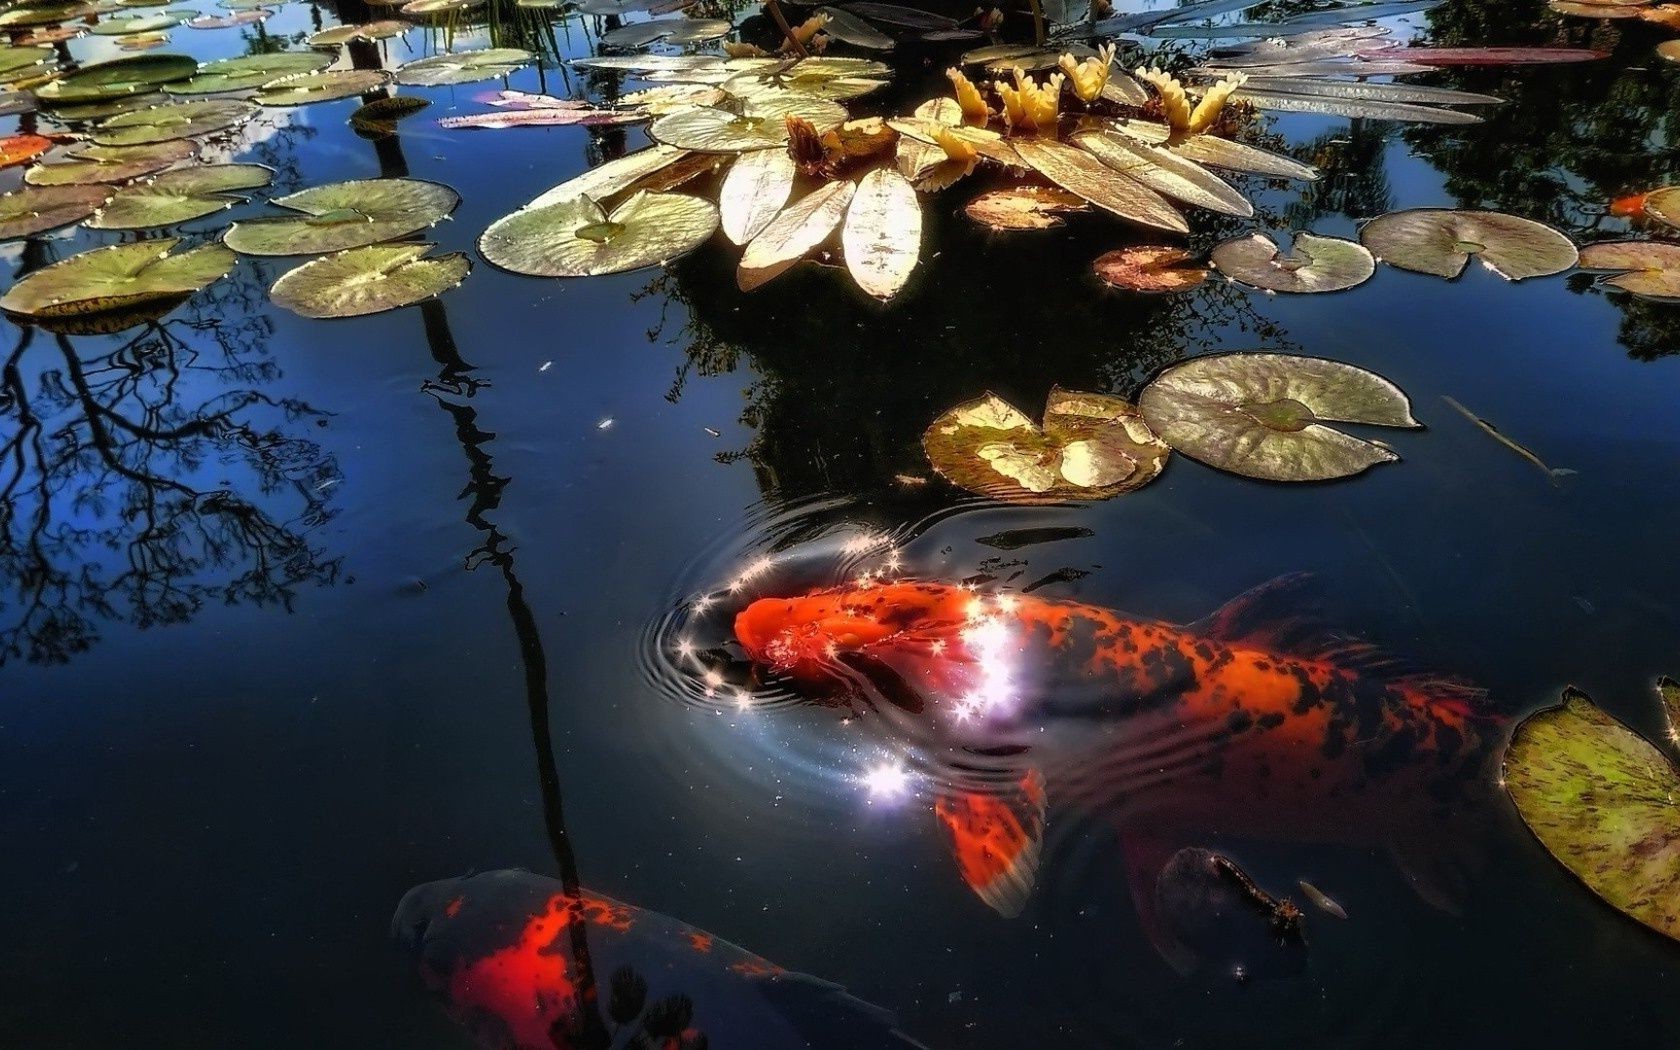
1312 264
326 85
121 277
437 7
344 215
44 13
1151 268
232 18
1648 269
36 209
760 124
142 41
179 196
176 120
89 163
671 30
151 23
117 78
1091 447
81 112
249 71
1664 205
16 62
378 118
575 238
1440 241
369 280
1605 802
463 68
21 149
1028 207
380 30
1263 415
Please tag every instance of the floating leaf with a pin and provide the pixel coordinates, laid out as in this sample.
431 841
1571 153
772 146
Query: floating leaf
142 41
369 280
1492 56
36 209
1220 153
235 18
423 8
757 186
88 164
801 226
1364 91
1322 105
121 277
175 120
882 236
1603 801
379 118
1663 205
1648 269
17 62
1262 415
344 215
671 30
248 71
1440 241
326 85
1080 173
1091 447
21 149
1670 50
1313 264
337 35
658 101
144 23
463 68
117 78
850 29
1024 207
86 111
581 114
893 14
1165 172
613 177
761 124
179 196
576 238
44 12
1150 268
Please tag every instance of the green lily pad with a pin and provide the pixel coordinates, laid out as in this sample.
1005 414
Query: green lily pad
121 277
344 215
1648 269
671 30
369 280
380 30
142 41
1663 204
88 163
1441 241
378 118
463 68
1263 415
1091 447
1605 802
18 62
151 23
229 20
117 78
760 124
326 85
423 8
44 13
575 238
176 120
36 209
179 196
1313 263
81 112
249 71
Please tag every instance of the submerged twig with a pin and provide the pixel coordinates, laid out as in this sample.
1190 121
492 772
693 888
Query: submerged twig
781 21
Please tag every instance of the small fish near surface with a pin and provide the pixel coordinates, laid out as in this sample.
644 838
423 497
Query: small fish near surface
1255 721
503 950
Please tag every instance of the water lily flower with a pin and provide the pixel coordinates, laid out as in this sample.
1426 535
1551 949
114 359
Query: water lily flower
1090 76
973 105
1175 104
955 146
1030 106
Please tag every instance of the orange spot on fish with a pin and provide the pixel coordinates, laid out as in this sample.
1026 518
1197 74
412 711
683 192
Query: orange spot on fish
756 968
453 908
986 835
700 941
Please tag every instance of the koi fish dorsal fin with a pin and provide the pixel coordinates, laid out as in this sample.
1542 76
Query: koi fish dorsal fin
1286 616
997 838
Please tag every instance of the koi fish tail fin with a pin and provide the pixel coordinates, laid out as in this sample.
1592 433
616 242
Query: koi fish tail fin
997 837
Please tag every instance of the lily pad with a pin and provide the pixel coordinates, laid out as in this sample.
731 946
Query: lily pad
883 233
1024 207
1663 204
760 124
21 149
1648 269
80 112
1165 172
1080 173
16 62
1151 268
176 120
463 68
670 30
88 164
1605 802
117 78
1091 447
151 23
248 71
380 30
755 190
379 118
427 8
119 278
344 215
326 85
798 228
369 280
142 41
179 196
1263 415
1441 241
1312 264
36 209
44 13
576 238
232 18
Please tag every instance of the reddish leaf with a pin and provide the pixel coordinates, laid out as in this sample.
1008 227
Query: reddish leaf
20 149
1490 56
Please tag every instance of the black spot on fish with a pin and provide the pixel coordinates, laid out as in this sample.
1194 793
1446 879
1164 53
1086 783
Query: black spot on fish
1239 721
1263 771
1204 652
1270 720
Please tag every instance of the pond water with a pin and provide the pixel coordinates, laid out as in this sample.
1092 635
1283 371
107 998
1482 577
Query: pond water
296 615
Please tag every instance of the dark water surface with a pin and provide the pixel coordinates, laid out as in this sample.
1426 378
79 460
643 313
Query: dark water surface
261 675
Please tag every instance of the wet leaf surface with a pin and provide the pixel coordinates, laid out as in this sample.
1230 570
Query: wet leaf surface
1151 268
369 280
117 78
119 278
755 190
1310 264
21 149
761 123
1024 207
801 226
344 215
89 163
1082 174
248 71
669 30
577 238
37 209
175 120
1440 241
883 233
1648 269
179 196
326 85
463 68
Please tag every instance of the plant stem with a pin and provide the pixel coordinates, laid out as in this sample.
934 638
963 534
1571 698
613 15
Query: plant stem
1038 21
775 10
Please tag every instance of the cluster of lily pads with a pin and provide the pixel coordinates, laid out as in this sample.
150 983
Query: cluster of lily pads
1662 14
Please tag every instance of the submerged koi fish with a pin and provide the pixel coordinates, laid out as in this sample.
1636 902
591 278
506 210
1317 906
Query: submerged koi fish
1251 722
502 949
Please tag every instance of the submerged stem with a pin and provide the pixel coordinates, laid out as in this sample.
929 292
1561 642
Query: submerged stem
775 10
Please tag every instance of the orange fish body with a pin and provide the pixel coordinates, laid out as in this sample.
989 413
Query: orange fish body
1248 722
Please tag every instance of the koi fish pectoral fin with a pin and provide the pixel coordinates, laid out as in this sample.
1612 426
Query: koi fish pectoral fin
997 838
1146 857
1439 870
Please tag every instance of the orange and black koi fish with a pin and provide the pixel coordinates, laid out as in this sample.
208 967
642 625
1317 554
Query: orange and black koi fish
1252 722
499 948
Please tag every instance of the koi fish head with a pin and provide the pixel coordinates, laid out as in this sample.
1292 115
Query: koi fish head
809 637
